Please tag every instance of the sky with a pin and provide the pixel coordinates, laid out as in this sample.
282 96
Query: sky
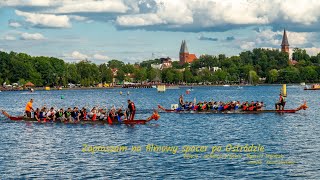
137 30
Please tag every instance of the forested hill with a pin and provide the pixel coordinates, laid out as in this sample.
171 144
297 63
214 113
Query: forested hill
248 66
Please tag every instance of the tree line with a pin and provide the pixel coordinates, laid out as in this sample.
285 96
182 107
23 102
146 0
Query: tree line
248 66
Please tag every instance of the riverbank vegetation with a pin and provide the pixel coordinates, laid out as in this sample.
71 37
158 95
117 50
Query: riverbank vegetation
256 66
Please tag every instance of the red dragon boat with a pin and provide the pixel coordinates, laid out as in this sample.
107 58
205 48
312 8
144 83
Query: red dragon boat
25 119
239 111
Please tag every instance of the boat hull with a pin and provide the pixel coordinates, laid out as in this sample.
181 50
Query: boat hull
129 122
229 112
24 119
312 89
232 111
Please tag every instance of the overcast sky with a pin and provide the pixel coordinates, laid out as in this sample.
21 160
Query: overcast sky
136 30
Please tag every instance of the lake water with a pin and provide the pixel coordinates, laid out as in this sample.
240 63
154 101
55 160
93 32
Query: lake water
291 141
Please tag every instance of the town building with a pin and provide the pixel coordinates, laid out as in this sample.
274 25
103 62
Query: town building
184 55
165 63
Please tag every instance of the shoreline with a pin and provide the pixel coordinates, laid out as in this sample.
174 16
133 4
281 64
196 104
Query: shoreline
143 87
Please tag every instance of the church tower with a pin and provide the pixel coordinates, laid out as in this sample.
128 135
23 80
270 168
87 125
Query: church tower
285 44
184 53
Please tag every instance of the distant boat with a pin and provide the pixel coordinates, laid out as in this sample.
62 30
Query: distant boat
313 87
172 87
161 88
226 85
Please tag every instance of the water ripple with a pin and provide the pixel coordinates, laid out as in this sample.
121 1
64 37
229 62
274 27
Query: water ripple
54 151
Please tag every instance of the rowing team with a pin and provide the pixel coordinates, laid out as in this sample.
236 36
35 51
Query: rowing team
221 106
73 115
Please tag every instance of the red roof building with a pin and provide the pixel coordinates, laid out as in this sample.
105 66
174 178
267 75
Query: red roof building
184 55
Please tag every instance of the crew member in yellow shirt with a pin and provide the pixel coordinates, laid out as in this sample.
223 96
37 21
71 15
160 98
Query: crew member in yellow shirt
29 108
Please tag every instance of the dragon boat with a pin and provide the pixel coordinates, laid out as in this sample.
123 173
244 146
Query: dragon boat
25 119
238 111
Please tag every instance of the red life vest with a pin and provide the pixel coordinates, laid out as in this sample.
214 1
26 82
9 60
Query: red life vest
133 106
109 120
94 117
204 107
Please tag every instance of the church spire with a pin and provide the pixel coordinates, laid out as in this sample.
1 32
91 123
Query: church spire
285 43
183 48
284 39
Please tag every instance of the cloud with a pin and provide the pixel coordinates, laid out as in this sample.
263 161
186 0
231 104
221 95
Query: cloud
45 20
247 45
313 51
9 38
230 38
14 24
176 15
274 38
27 3
78 56
92 6
78 18
139 20
204 38
100 57
267 38
30 36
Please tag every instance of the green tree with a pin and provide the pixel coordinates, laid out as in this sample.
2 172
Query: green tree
308 74
106 73
168 75
178 76
115 64
254 78
72 74
140 74
152 74
272 76
289 74
300 54
187 76
120 75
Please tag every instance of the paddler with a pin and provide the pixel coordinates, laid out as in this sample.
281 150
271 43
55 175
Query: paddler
29 108
112 116
281 103
181 101
132 110
51 114
43 114
36 114
75 114
120 114
67 114
155 115
60 115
